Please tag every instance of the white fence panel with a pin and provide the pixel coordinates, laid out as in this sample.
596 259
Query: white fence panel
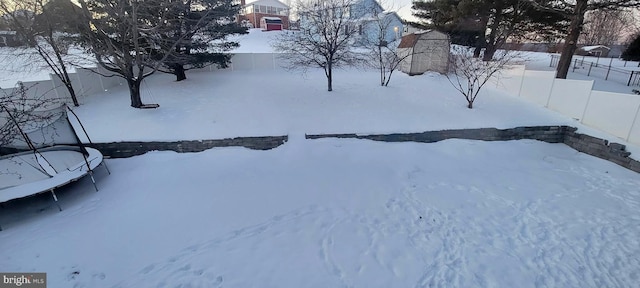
570 97
511 79
536 86
90 82
242 61
634 135
612 112
40 89
264 61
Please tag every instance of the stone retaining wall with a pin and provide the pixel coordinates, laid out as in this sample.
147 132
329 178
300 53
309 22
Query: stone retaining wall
128 149
613 152
597 147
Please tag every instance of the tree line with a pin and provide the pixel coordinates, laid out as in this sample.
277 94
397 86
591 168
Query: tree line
487 24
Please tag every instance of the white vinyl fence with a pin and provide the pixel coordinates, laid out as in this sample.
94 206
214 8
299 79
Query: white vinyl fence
86 82
614 113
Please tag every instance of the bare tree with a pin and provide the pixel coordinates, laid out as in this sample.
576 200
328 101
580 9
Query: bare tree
383 45
125 36
605 27
469 74
36 23
325 38
19 109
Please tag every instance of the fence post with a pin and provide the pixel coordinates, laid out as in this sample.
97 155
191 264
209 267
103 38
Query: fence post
575 63
582 62
590 65
587 104
553 83
608 70
633 123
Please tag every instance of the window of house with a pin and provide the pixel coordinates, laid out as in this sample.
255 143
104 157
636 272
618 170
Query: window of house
263 9
3 41
360 29
271 10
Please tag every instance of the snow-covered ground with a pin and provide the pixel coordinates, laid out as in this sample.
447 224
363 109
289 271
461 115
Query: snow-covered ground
211 105
338 213
329 212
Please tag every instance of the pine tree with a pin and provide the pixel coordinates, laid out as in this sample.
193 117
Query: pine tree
489 22
203 26
632 53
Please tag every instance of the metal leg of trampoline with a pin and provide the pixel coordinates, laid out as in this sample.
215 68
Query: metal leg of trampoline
55 198
105 166
93 180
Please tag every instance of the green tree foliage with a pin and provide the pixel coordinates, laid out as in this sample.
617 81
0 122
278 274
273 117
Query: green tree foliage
489 24
632 53
201 35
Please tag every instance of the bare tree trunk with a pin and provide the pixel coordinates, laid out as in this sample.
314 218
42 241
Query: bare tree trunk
179 71
134 92
72 92
470 105
491 48
481 42
329 73
572 39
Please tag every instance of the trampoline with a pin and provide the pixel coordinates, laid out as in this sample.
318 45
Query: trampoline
52 155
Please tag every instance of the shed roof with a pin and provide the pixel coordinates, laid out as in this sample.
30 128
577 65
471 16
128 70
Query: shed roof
589 48
410 40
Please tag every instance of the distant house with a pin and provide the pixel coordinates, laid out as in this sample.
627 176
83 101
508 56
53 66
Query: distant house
410 29
427 51
597 50
263 14
367 17
9 39
368 14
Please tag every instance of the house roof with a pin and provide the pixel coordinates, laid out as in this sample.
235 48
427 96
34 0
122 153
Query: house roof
589 48
410 40
272 3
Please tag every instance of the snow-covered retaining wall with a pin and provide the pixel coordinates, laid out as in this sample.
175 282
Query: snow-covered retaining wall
597 147
128 149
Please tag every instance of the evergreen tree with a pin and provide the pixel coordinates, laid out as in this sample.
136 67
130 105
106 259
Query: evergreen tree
632 53
490 22
202 27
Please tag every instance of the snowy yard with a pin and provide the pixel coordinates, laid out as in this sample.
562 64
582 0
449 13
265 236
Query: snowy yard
329 212
213 105
339 213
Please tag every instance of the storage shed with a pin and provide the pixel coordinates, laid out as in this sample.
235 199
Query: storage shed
595 50
426 50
